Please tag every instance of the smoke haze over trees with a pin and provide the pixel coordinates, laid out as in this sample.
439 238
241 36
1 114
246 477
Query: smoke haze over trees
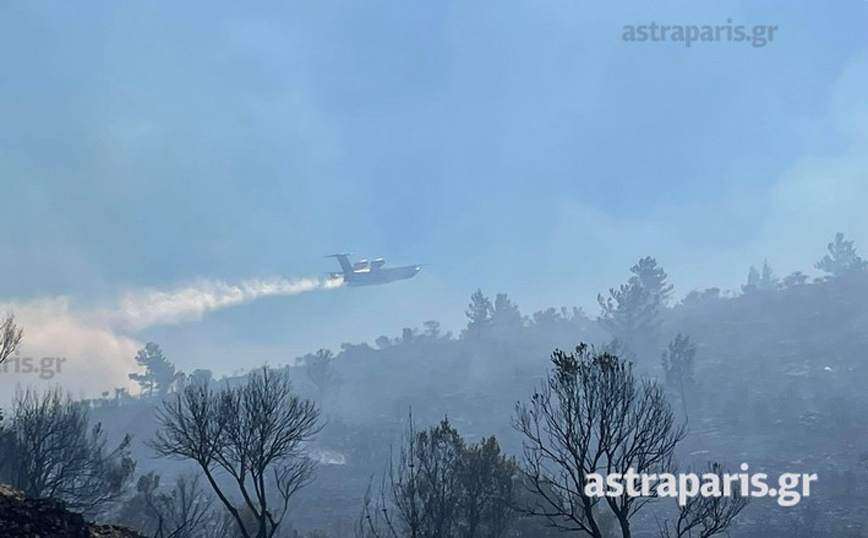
770 375
643 255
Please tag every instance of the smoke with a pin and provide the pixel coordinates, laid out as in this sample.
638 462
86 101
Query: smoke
98 344
92 357
145 308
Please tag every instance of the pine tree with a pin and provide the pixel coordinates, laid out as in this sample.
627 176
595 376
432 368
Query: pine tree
479 313
768 281
631 313
652 277
841 259
753 278
764 280
160 375
505 313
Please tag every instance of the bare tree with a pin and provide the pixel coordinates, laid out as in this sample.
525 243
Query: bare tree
184 511
592 415
704 517
254 434
10 337
50 450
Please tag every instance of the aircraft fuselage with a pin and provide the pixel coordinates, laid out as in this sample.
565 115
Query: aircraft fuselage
380 276
367 273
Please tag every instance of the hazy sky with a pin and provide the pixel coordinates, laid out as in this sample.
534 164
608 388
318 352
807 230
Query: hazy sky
514 146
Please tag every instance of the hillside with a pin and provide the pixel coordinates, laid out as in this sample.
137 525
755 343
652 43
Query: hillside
780 378
42 518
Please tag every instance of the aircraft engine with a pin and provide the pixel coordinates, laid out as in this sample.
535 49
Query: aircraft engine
379 262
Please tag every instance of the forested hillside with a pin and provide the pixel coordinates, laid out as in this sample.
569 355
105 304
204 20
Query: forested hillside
772 375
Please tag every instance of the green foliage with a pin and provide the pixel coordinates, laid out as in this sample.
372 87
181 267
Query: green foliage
552 317
631 312
652 278
505 314
697 297
200 375
764 280
842 258
796 278
160 376
479 313
633 308
502 315
678 363
319 370
432 329
443 487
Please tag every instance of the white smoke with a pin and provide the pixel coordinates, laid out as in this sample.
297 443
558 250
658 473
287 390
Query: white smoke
145 308
98 344
91 358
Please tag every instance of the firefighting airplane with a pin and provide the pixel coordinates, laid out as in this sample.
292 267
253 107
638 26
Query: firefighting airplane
368 273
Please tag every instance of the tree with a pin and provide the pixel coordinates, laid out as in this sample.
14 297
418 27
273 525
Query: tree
184 511
652 277
768 281
678 364
550 317
479 313
753 278
704 517
200 375
486 477
761 281
51 450
432 329
432 332
254 433
160 375
383 342
442 488
697 297
841 259
796 278
318 367
629 312
408 336
505 314
10 337
591 414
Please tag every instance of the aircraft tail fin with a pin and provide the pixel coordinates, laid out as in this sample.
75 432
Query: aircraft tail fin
344 260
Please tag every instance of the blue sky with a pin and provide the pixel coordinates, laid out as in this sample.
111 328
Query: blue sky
515 146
